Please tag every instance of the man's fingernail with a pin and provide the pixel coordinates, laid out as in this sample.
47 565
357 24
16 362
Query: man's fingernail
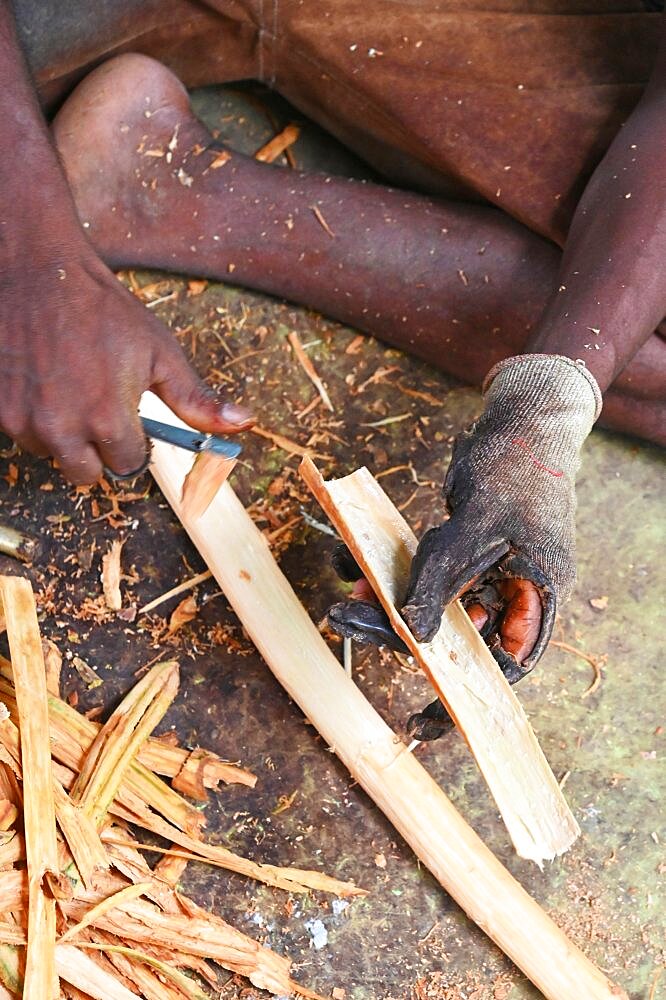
236 415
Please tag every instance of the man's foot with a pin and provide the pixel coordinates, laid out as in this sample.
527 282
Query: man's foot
123 136
459 286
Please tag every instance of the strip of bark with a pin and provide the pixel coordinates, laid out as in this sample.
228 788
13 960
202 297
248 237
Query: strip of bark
120 737
25 644
460 667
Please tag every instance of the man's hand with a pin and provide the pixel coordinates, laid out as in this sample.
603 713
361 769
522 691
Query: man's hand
508 548
76 352
76 349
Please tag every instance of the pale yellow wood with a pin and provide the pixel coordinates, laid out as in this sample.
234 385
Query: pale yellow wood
25 645
459 666
241 561
78 969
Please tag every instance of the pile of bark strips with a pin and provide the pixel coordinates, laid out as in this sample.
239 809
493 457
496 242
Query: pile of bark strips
81 912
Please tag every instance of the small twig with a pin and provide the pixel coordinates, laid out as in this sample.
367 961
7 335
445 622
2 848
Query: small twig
405 505
655 982
240 357
312 522
430 932
388 420
274 535
291 447
595 663
347 656
309 369
164 298
394 468
175 591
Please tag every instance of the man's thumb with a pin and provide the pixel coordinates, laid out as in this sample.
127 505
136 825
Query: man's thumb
183 391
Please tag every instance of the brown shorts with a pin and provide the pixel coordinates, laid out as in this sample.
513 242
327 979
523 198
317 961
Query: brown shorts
512 102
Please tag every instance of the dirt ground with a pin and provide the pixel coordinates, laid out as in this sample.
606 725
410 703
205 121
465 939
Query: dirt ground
406 940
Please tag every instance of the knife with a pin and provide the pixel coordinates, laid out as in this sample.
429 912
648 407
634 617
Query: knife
191 440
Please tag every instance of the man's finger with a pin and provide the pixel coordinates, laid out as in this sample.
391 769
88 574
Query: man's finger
528 618
79 462
126 451
364 622
434 721
33 444
345 565
176 383
448 559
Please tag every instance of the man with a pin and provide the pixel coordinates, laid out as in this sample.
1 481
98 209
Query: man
533 129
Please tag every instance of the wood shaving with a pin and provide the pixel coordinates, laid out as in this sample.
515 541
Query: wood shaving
111 575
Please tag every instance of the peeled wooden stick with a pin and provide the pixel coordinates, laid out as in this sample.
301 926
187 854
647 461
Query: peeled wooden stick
25 644
459 666
241 561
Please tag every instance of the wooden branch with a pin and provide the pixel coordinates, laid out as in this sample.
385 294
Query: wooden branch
25 644
239 557
459 666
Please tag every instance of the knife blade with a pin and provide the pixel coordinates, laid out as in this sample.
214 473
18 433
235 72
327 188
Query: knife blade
191 440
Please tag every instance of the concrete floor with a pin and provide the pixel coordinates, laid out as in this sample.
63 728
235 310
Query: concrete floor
406 940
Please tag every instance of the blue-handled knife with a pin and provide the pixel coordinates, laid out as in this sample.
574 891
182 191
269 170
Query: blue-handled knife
215 459
191 440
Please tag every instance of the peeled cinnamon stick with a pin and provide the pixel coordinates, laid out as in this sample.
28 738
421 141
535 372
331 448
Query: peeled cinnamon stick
240 559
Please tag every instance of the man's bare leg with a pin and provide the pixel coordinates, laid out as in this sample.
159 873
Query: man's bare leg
460 286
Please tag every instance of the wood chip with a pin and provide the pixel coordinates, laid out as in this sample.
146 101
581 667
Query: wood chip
221 159
322 221
278 145
111 573
208 473
53 663
354 346
118 740
132 891
184 613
